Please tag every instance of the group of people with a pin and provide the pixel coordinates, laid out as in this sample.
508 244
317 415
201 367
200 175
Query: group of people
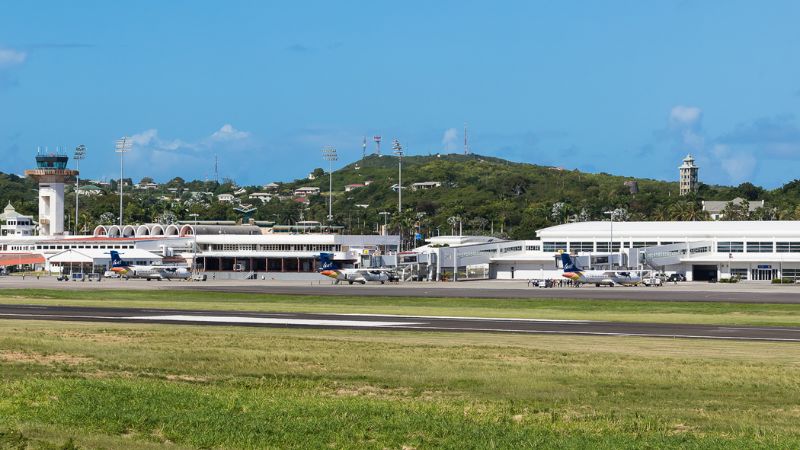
561 282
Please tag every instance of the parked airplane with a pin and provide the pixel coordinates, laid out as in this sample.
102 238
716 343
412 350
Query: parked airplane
126 270
329 269
597 277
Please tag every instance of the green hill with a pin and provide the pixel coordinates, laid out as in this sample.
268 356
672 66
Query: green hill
512 198
481 194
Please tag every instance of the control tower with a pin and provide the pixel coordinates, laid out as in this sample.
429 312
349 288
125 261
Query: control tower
51 172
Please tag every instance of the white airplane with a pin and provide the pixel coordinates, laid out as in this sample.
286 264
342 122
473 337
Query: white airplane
597 277
126 270
351 276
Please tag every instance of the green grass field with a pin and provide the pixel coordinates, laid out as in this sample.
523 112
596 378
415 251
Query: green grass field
141 386
610 310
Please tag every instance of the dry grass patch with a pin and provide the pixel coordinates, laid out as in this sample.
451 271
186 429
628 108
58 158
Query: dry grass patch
39 358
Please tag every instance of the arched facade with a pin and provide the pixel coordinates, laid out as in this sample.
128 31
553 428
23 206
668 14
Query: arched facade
187 230
171 230
128 231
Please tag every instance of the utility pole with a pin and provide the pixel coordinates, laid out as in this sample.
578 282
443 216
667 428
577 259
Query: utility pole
123 145
329 154
80 153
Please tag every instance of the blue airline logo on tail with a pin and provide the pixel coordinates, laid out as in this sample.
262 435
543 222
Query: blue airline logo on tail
326 260
569 266
116 261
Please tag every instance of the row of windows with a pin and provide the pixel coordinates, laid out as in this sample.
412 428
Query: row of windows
722 246
758 247
477 252
67 247
272 247
739 273
511 249
587 246
787 247
786 273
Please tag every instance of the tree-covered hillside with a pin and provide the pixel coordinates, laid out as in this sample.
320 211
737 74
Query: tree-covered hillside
478 193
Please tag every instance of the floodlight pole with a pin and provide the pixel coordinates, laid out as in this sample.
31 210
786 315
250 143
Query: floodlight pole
610 240
123 145
80 153
329 154
398 150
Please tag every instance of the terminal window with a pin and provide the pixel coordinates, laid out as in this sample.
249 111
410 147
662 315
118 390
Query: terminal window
603 247
581 247
730 247
739 273
787 247
791 273
759 247
554 246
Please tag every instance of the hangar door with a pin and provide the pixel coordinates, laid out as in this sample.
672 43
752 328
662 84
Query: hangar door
704 272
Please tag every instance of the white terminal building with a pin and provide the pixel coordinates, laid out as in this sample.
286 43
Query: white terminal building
702 251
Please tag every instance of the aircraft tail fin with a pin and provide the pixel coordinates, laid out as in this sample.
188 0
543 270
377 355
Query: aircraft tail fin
569 265
326 261
116 260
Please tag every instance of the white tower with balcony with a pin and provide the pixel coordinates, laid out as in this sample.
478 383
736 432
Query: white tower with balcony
688 172
51 172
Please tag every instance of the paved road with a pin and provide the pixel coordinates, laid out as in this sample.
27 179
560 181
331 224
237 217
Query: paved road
680 293
394 322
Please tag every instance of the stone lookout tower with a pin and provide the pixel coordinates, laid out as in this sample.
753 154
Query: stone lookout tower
688 171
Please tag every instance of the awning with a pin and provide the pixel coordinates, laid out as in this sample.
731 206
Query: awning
13 259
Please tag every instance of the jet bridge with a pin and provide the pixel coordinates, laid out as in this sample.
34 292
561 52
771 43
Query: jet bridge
659 256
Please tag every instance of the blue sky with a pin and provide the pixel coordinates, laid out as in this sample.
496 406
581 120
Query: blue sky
625 87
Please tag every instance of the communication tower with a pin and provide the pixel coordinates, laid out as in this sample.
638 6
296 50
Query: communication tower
377 140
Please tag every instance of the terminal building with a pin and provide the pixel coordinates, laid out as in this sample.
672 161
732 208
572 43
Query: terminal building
702 251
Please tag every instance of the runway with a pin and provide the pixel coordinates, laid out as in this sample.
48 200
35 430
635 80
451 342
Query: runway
396 322
680 293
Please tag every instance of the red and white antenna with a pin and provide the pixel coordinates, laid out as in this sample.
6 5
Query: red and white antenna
377 140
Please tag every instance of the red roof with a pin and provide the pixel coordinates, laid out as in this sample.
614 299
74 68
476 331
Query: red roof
13 259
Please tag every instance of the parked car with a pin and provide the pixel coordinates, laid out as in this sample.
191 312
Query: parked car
676 277
652 281
111 274
199 277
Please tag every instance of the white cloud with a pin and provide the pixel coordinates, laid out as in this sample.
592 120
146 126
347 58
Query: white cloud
150 139
450 139
229 133
10 57
685 116
155 156
145 137
686 125
738 165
